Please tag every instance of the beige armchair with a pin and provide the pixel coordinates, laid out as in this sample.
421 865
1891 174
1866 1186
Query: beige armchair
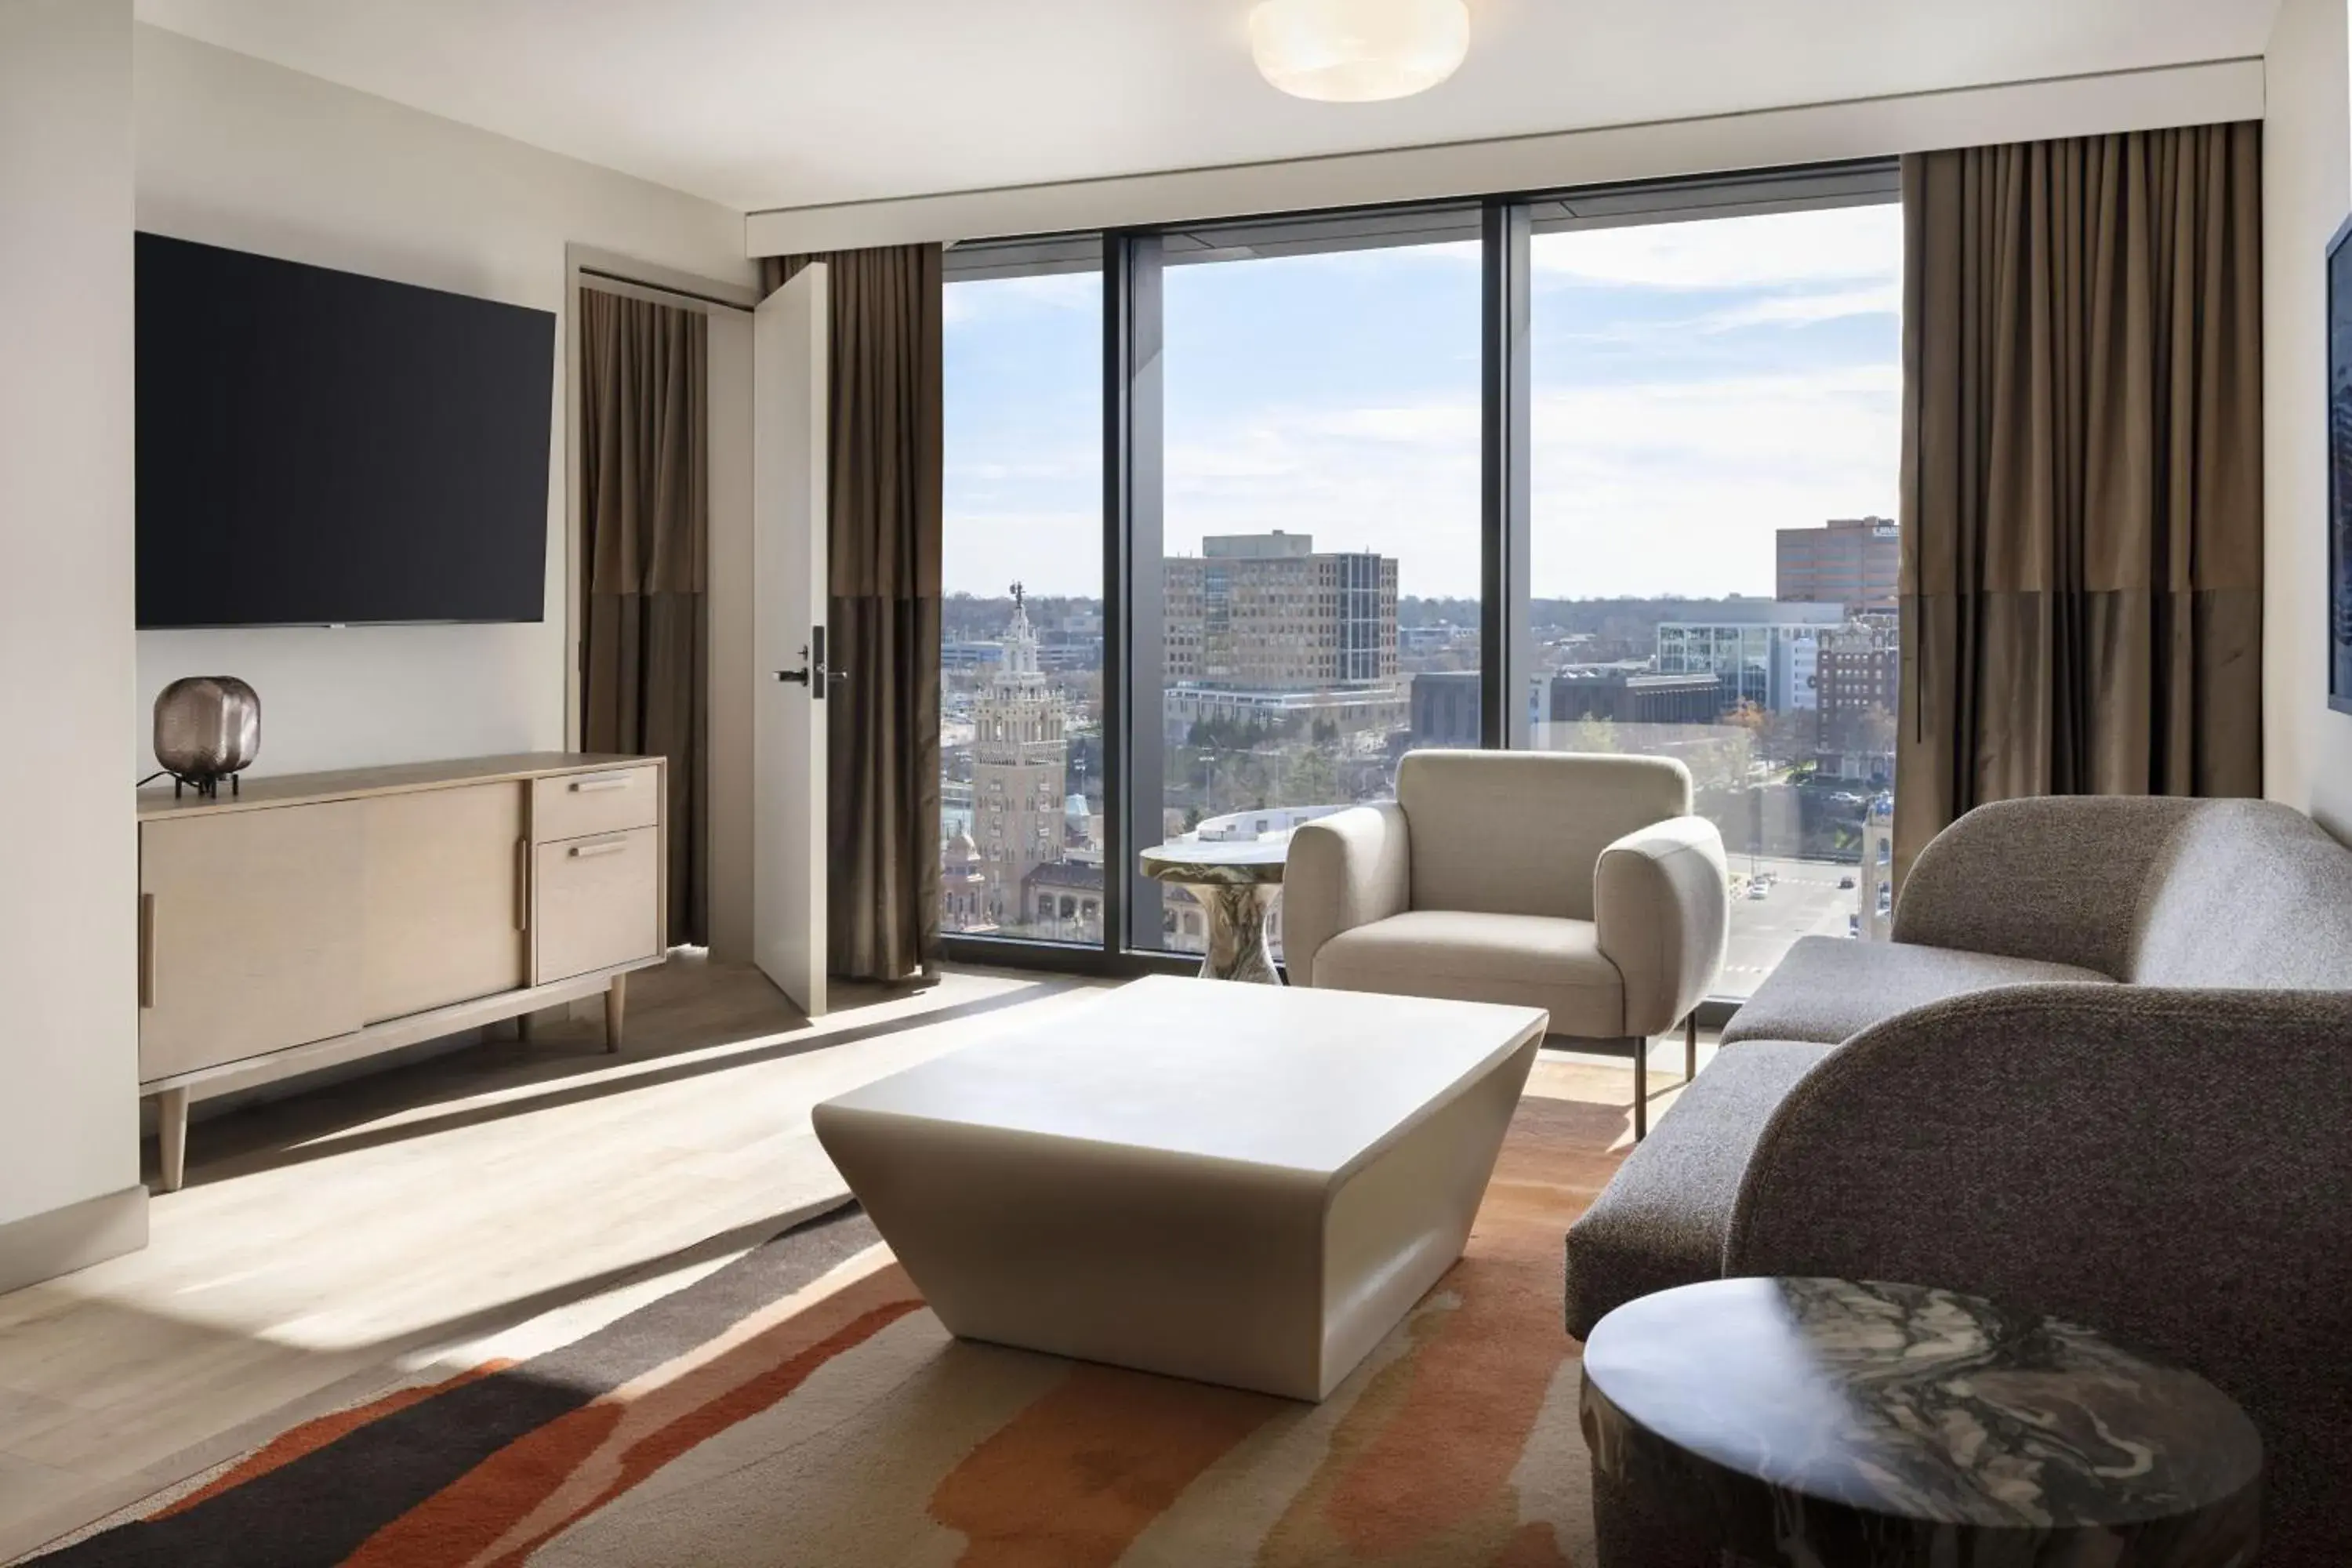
1581 885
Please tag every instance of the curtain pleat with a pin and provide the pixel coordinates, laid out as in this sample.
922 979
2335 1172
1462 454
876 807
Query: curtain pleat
2082 485
645 519
883 738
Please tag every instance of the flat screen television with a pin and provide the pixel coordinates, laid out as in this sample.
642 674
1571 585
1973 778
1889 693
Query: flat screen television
320 448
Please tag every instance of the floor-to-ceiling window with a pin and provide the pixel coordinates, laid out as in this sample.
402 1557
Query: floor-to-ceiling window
1319 555
1021 695
1712 546
1609 470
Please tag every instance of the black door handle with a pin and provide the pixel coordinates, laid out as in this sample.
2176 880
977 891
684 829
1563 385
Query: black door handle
812 672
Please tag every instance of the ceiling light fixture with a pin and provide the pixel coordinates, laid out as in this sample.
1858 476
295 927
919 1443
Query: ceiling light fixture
1359 51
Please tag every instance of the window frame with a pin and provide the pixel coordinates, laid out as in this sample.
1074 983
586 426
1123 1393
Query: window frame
1132 262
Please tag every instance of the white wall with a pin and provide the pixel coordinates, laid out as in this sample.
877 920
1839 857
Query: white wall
2306 192
68 872
236 152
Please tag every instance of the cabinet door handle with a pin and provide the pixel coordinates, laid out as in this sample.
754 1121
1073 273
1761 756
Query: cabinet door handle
607 846
146 950
596 786
522 884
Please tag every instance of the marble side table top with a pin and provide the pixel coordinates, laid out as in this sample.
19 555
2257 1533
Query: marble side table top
1207 863
1826 1413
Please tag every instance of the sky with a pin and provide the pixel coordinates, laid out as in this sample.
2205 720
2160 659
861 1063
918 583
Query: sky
1696 386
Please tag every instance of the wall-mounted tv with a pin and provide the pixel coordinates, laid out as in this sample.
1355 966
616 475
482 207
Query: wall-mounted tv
320 448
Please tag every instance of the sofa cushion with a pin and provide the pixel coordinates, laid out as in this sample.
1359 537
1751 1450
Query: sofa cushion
1527 961
1661 1220
2246 893
1830 988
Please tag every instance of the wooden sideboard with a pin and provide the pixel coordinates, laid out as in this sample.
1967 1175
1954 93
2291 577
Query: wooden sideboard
315 918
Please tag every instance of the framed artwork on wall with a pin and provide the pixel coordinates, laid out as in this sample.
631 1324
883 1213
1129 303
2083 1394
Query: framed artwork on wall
2339 469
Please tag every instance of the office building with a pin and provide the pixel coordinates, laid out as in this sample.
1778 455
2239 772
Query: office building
1853 562
1745 644
1264 612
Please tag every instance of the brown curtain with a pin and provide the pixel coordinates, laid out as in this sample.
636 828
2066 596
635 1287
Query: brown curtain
884 734
646 520
2082 472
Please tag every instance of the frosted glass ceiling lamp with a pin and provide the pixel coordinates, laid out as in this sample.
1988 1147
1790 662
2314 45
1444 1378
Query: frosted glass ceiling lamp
1359 51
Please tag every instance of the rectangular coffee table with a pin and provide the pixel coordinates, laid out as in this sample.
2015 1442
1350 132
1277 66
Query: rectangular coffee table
1244 1184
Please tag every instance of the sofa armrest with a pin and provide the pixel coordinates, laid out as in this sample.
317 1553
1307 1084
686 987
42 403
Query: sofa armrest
1661 912
2168 1166
1345 870
2061 877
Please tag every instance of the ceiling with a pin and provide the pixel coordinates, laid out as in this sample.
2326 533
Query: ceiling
781 103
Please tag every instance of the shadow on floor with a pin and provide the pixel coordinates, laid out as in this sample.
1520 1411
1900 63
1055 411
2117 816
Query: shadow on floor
689 1007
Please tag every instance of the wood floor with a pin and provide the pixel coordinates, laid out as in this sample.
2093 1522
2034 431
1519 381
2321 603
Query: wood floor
328 1243
323 1241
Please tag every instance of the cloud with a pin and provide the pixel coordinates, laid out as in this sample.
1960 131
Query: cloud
1805 308
1051 552
1761 251
1000 299
1664 488
1346 413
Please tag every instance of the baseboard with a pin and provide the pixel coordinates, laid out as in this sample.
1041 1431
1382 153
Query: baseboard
43 1245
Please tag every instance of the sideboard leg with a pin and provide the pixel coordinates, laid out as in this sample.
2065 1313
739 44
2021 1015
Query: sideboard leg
616 1003
171 1137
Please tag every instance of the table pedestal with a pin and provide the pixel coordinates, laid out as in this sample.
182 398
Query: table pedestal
1236 917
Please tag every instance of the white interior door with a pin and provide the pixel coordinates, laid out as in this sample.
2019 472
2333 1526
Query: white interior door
791 583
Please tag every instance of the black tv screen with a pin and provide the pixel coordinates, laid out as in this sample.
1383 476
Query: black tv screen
316 447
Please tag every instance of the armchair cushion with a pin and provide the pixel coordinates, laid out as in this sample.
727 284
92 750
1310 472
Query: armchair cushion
1521 833
1830 988
1663 1218
1527 961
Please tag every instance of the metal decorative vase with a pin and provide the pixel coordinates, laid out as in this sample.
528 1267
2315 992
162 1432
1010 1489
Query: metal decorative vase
207 729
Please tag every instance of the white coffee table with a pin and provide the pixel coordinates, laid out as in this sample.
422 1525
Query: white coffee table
1238 1184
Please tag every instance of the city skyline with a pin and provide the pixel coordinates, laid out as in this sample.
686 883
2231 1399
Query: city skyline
1697 386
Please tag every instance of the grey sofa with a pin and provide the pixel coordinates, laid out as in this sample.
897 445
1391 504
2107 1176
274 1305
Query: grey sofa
2102 1070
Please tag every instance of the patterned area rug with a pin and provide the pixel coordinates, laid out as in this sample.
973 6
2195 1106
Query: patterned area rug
799 1406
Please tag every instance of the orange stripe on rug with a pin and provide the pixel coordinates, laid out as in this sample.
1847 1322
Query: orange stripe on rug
1075 1477
315 1435
509 1505
1420 1468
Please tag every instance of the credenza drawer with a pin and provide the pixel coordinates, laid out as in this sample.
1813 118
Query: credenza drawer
595 902
573 805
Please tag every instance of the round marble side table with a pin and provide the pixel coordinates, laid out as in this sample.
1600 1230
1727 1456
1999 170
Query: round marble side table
1235 883
1834 1424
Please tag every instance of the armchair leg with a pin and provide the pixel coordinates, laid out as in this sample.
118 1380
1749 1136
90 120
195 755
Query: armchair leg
1641 1089
1690 1047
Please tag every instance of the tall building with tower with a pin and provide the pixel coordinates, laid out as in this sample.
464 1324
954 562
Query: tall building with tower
1019 754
